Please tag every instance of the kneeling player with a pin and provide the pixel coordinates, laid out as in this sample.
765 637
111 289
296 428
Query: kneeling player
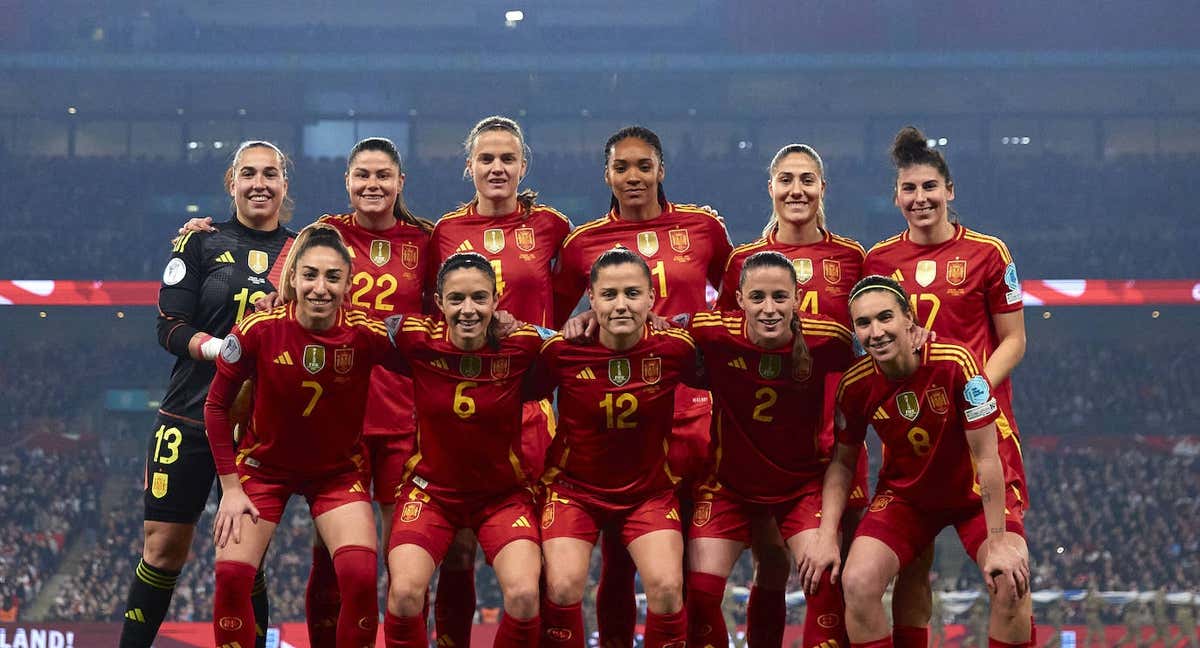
466 473
311 361
934 412
768 456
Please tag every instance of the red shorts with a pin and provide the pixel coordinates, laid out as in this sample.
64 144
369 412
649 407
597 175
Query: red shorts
566 515
908 529
858 487
386 456
270 495
538 427
722 514
423 520
687 450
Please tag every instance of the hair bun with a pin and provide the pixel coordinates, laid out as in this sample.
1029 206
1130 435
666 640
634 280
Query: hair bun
909 147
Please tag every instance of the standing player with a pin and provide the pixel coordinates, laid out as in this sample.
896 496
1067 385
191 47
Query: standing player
934 412
609 462
961 285
686 248
208 285
826 265
769 452
388 245
311 361
466 473
520 238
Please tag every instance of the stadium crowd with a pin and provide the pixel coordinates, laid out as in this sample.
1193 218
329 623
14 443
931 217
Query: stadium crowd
121 221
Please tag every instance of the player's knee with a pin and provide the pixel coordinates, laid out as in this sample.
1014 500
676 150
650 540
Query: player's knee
521 599
565 588
664 592
1005 609
356 572
406 598
912 602
861 587
167 546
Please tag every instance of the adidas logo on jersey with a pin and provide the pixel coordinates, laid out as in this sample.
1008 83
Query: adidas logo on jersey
234 644
136 615
284 358
465 246
225 257
857 492
880 415
586 374
738 363
357 488
673 515
440 363
522 522
898 276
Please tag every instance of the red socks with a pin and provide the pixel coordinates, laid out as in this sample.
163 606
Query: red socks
666 630
404 632
322 602
909 636
517 633
233 614
616 605
706 623
826 616
454 607
766 614
562 626
358 620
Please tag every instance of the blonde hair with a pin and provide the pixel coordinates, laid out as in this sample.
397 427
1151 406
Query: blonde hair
288 205
802 149
526 198
315 235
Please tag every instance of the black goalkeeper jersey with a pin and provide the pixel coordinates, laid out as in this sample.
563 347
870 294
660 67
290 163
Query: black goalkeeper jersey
210 283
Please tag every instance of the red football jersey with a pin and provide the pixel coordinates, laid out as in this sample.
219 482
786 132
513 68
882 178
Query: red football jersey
615 411
469 413
685 247
922 421
310 392
521 248
825 273
768 442
388 267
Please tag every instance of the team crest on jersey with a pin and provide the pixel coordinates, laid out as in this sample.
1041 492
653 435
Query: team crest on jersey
880 502
411 511
926 272
702 514
804 270
618 371
409 255
651 370
381 252
938 400
908 405
493 240
769 366
258 261
525 238
547 515
647 243
832 269
343 360
470 366
158 485
500 367
680 242
956 272
314 358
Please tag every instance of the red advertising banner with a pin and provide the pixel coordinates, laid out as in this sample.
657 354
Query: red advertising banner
1038 292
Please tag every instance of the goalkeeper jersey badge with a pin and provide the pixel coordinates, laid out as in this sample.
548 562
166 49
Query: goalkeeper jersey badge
257 260
158 485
